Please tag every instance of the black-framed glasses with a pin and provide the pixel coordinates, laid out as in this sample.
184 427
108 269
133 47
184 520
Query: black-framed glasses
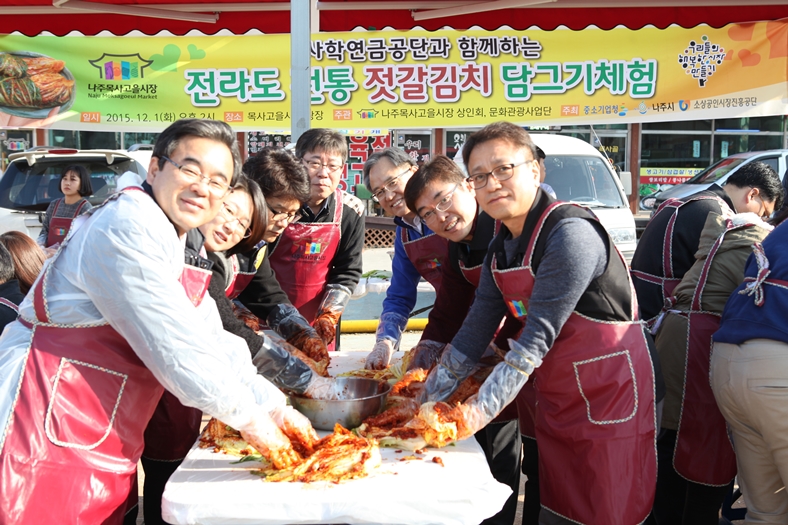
277 216
389 185
442 205
315 166
217 187
501 173
229 215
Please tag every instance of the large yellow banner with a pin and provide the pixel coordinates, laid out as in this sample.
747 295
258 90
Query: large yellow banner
398 79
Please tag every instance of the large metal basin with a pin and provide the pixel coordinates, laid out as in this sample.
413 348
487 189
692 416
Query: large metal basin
362 398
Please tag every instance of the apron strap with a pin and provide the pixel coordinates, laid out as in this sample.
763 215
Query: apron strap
9 304
57 205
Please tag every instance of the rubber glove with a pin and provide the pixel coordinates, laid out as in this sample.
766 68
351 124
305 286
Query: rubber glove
297 427
380 356
269 440
452 369
288 322
425 354
330 310
275 363
324 388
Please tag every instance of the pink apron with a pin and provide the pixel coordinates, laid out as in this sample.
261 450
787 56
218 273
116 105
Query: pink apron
595 423
703 452
59 226
427 253
76 434
303 258
240 279
668 281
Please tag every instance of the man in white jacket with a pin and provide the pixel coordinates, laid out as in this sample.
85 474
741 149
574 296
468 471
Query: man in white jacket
108 324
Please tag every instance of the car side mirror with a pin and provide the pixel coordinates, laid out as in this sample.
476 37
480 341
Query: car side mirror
626 181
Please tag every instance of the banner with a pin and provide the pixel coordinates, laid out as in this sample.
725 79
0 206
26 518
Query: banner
415 79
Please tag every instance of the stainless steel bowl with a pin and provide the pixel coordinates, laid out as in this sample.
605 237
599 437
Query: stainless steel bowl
362 398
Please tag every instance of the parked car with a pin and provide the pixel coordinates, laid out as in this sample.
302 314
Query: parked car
579 173
32 180
718 173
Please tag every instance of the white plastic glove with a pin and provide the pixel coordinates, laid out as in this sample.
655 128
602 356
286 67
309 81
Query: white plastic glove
297 427
266 437
323 388
381 354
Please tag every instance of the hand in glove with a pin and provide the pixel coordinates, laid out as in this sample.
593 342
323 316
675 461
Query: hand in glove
452 369
286 321
324 388
380 356
425 354
296 427
331 307
266 437
282 365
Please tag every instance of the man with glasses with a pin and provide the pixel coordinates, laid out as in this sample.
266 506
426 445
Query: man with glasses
553 267
418 252
665 254
317 260
119 315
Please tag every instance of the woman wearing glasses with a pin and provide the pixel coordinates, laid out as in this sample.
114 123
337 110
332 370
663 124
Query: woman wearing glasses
418 252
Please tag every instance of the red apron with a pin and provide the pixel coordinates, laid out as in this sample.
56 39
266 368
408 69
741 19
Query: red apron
596 418
59 226
240 279
303 258
703 452
427 253
668 281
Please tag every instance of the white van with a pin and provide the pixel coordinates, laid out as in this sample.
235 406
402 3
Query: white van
579 173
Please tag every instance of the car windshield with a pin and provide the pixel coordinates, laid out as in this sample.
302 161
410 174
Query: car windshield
587 180
31 188
716 171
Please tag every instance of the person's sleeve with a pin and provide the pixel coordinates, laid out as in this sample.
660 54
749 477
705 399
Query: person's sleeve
346 267
263 293
136 290
451 305
86 207
229 321
575 254
42 237
401 294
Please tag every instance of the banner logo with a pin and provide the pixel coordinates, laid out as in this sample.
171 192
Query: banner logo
518 309
120 67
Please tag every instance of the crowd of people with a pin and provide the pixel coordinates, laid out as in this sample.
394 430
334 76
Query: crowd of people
625 394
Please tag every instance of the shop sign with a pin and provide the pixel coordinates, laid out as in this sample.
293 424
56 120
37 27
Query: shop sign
400 79
667 175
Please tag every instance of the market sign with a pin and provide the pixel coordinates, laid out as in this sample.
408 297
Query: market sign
399 79
667 175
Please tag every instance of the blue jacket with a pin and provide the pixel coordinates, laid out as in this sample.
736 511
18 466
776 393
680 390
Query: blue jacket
742 319
402 294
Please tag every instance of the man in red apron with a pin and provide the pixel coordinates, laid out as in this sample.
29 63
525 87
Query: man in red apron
115 317
418 252
595 411
665 252
318 259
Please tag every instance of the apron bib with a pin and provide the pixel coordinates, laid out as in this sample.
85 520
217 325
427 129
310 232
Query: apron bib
668 281
240 278
59 226
595 422
303 258
426 253
76 433
703 452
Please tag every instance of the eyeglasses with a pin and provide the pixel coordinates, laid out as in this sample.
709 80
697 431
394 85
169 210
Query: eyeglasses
229 214
216 186
442 205
389 185
315 166
277 216
501 173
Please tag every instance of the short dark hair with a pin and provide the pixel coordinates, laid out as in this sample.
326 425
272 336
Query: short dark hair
6 265
440 168
507 131
259 222
168 140
85 187
321 139
540 153
395 155
762 176
279 174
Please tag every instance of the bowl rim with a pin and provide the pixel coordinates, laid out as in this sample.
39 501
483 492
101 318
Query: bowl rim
386 384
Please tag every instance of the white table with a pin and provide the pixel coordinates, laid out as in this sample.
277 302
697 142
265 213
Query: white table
207 489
